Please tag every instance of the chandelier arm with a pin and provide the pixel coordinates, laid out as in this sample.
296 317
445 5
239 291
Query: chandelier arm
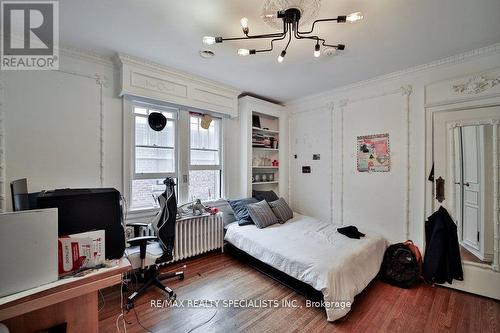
321 20
289 40
272 45
285 30
338 46
263 36
316 38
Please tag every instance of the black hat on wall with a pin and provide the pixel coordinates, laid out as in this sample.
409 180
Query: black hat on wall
157 121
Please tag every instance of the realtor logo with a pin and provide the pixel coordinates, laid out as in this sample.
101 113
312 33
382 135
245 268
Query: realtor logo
29 35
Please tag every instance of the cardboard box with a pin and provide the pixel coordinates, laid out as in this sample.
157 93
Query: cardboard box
83 250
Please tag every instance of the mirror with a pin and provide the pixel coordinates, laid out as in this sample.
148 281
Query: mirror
466 154
471 190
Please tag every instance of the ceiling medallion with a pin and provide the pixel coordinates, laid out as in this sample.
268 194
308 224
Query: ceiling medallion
309 10
290 20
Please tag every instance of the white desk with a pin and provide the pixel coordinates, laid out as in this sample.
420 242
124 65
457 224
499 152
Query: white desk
71 300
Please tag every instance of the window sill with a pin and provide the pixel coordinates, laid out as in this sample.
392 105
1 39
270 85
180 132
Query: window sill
145 215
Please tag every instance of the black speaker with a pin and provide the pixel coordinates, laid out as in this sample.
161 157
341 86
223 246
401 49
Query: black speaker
81 210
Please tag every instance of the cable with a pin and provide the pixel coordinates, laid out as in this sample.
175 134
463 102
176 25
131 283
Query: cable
204 323
103 301
139 322
121 315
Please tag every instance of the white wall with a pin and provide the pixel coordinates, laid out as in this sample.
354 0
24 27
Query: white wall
372 107
52 127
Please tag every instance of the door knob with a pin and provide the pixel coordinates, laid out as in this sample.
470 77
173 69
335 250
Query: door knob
467 184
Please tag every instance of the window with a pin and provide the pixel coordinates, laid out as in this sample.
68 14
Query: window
154 156
204 159
183 150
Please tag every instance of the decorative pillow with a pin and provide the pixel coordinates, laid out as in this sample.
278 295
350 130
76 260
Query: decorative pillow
265 195
261 214
281 209
240 210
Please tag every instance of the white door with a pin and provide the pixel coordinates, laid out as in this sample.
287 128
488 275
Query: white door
472 138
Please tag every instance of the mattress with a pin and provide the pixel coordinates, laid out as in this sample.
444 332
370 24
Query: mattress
314 252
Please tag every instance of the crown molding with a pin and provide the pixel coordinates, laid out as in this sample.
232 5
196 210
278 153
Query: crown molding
87 55
456 59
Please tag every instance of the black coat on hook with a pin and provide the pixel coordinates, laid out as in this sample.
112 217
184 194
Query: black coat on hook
442 262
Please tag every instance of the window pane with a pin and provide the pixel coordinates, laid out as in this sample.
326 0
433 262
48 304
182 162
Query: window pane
204 184
205 143
145 136
204 157
143 191
154 160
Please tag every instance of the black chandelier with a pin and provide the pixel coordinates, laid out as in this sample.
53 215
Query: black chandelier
291 18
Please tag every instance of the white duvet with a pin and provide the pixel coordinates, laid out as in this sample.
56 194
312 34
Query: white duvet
315 253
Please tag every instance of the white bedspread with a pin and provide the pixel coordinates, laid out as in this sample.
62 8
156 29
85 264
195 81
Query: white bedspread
315 253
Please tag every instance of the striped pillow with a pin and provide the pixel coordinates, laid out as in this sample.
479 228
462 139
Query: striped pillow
281 209
261 214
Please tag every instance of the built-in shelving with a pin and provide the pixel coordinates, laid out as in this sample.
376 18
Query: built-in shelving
264 148
265 167
265 130
262 125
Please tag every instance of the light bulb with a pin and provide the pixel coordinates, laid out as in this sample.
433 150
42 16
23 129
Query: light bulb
281 57
353 17
244 22
317 51
208 40
243 52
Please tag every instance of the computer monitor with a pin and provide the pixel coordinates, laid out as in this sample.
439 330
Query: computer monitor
81 210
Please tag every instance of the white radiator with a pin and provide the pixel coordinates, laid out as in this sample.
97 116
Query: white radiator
193 235
197 235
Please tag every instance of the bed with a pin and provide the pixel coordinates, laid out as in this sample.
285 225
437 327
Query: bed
314 253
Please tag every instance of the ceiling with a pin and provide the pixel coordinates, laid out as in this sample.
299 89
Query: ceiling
395 34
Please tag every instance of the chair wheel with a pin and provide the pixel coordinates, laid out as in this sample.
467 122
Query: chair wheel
129 306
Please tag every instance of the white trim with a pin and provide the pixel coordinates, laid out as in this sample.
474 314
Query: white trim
456 59
496 198
462 105
3 192
331 108
146 79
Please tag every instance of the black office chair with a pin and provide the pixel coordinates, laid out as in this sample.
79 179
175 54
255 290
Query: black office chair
21 199
147 253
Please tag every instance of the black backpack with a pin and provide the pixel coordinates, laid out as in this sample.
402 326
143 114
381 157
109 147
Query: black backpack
400 266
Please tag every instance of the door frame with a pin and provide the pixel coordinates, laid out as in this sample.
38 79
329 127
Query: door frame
469 92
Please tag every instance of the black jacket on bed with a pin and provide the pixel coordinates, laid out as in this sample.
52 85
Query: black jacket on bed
442 260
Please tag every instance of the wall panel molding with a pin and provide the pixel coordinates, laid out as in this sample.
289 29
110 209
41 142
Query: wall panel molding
405 91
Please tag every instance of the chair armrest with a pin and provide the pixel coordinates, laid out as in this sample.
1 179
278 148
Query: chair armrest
141 240
138 224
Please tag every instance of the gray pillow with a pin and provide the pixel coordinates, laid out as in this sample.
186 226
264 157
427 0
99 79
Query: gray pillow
265 195
261 214
281 209
240 210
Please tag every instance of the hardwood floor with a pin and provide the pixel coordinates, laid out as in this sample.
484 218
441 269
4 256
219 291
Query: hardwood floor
380 308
